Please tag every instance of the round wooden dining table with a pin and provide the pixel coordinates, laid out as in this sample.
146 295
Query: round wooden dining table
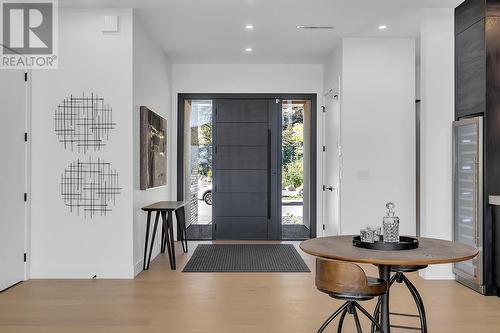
430 251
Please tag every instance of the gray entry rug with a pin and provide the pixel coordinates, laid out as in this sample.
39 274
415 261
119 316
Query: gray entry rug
246 258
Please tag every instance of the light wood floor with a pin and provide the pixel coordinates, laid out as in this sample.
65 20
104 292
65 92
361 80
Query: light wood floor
160 300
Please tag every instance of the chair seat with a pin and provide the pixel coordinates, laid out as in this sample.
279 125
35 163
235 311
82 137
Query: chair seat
407 269
374 287
347 280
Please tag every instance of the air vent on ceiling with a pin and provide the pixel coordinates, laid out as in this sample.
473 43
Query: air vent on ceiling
316 27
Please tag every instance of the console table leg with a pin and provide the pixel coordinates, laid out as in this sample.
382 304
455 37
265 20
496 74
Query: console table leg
171 228
163 236
167 238
181 228
148 223
153 239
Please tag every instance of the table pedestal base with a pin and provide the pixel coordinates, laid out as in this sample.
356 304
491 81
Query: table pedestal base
401 278
384 272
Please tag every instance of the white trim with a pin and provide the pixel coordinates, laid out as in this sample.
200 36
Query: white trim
138 267
330 95
82 272
28 146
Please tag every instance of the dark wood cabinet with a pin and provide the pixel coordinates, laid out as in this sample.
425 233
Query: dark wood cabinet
477 92
468 13
470 75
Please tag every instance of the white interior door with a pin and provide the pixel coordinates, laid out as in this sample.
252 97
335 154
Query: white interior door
332 165
12 177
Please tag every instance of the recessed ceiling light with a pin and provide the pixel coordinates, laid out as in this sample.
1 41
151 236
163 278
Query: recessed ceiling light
248 49
249 26
382 27
316 27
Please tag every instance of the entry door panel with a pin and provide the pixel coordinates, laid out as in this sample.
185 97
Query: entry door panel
242 175
242 134
241 228
242 111
242 158
248 181
234 204
13 178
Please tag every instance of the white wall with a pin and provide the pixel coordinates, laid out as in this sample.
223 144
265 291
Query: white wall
152 88
64 245
378 132
333 69
246 78
437 115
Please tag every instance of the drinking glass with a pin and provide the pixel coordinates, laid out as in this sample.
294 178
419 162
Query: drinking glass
366 235
377 231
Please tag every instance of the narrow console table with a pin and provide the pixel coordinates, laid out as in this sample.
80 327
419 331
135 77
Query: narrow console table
165 208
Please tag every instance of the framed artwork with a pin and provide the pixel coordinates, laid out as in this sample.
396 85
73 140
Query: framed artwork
153 149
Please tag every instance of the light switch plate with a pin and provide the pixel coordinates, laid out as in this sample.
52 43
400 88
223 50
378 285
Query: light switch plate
109 23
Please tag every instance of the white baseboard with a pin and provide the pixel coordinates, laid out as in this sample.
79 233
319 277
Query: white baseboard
82 272
138 267
438 272
88 272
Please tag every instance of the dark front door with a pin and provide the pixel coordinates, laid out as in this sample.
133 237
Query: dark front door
244 175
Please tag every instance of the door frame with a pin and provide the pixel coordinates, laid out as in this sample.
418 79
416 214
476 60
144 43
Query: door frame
181 97
332 95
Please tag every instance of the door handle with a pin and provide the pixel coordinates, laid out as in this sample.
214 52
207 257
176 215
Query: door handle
331 188
475 190
269 179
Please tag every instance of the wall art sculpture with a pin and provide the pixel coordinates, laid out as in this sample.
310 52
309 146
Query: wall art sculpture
89 187
83 123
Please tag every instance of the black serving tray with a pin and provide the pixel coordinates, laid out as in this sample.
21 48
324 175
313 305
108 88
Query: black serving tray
405 243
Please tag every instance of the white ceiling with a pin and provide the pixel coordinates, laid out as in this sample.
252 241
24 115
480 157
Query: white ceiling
213 31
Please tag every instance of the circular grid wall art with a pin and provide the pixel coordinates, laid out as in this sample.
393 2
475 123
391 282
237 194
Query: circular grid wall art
83 123
90 187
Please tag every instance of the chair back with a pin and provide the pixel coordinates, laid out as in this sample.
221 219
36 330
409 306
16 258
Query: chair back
333 276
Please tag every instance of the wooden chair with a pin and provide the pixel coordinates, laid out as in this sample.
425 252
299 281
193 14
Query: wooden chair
347 281
399 277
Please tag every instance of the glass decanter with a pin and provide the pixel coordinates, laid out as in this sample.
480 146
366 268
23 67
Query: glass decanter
390 225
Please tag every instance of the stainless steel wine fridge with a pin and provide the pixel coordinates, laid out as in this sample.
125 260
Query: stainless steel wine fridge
468 198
